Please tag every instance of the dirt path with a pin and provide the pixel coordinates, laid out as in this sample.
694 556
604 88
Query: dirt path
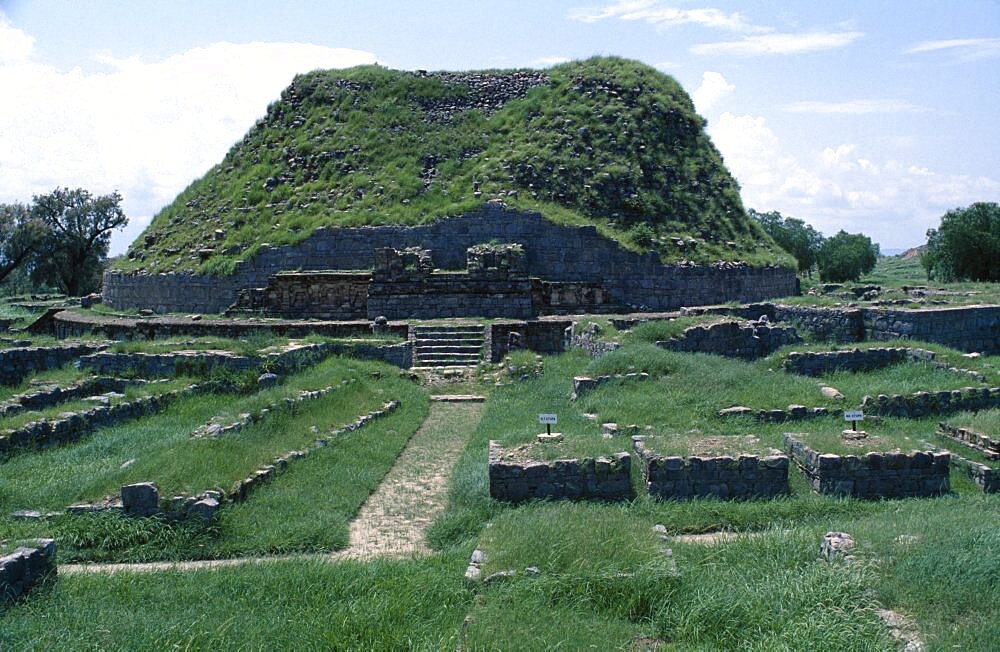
393 521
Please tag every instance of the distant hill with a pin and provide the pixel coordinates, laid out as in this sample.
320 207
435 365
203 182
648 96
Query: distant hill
913 252
606 141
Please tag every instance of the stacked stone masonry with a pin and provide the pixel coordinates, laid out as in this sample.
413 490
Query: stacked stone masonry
25 568
552 253
890 474
747 476
540 336
733 339
74 425
601 478
818 363
986 446
49 396
583 385
970 328
921 404
17 364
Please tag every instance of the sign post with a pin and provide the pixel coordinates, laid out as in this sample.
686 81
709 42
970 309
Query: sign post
854 416
548 420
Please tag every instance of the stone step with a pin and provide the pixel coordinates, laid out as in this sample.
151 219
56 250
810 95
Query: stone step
448 356
437 331
449 336
450 340
438 364
423 349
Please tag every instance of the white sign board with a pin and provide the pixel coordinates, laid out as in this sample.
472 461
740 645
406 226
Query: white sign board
854 415
549 419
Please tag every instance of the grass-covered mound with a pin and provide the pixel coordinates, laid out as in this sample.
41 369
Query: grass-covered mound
605 141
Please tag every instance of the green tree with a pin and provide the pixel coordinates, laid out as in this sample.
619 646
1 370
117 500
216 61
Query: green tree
20 237
794 236
71 256
966 246
846 256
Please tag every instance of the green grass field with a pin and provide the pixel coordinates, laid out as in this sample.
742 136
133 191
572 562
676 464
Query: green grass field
581 575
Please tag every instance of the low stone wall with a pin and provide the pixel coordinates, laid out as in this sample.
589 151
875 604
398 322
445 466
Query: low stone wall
25 568
921 404
602 478
792 413
169 364
215 429
541 336
45 397
588 340
17 364
74 425
826 324
733 339
984 477
987 446
969 328
873 475
818 363
73 324
399 355
585 384
748 476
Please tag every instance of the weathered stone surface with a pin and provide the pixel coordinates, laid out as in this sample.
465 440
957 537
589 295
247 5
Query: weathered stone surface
733 339
836 545
876 475
552 252
676 477
26 567
818 363
140 499
602 478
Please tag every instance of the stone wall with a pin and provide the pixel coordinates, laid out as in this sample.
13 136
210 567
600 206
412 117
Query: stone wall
448 295
48 396
825 324
320 295
873 475
540 336
970 328
602 478
17 364
748 476
818 363
977 441
733 339
984 477
552 252
74 425
583 385
73 324
25 568
569 298
169 364
921 404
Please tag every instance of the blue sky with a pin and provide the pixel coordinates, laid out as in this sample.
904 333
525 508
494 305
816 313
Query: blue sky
868 116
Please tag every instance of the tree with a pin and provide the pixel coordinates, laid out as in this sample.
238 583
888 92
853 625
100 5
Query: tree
20 237
80 226
794 236
966 246
846 256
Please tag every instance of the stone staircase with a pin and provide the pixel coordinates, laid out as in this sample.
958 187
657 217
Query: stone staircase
448 345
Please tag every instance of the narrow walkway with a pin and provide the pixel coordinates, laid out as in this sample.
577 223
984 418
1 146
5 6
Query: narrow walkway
393 521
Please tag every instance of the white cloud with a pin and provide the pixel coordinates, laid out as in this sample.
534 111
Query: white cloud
842 186
15 45
146 129
856 107
779 43
966 49
667 65
713 88
663 16
544 62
